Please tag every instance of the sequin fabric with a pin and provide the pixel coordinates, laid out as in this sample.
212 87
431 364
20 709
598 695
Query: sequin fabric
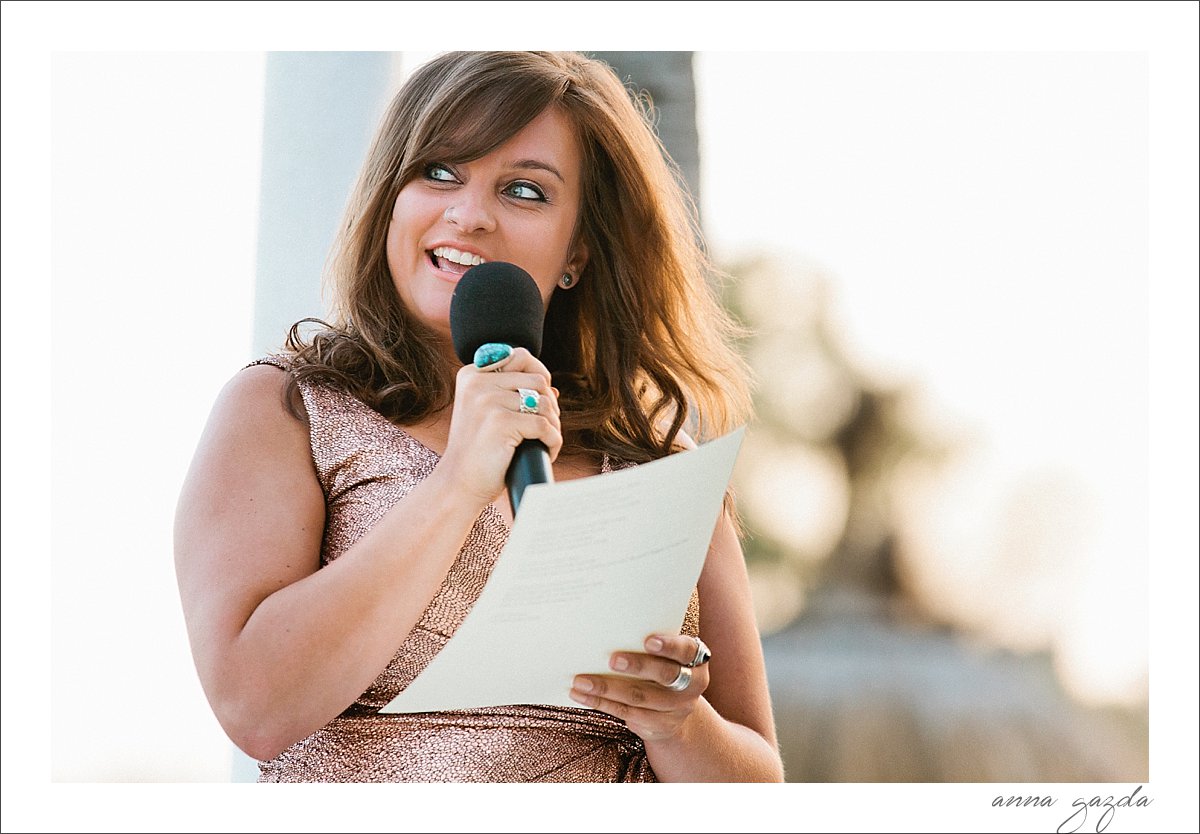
365 465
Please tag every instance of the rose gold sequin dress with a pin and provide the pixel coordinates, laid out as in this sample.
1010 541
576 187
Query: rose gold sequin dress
365 465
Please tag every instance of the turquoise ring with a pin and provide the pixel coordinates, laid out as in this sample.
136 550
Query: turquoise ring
529 400
491 353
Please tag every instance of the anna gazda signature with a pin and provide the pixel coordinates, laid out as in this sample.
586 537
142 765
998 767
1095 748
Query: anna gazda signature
1097 810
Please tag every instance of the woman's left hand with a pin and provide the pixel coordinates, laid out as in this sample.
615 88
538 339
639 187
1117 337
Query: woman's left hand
639 695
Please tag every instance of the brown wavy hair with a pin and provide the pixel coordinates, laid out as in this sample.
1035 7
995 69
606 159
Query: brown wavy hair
640 348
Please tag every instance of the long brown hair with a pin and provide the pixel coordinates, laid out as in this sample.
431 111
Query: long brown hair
639 348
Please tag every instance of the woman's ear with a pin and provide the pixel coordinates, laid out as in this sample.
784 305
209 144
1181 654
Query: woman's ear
577 262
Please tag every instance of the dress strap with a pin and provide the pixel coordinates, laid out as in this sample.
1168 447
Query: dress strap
270 359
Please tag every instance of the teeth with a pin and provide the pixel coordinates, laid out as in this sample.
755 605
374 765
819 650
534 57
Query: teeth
461 258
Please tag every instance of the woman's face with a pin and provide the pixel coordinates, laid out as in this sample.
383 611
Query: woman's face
519 204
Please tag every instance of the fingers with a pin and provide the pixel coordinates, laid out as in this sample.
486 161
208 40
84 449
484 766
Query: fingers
659 670
681 648
520 405
490 418
513 370
515 380
641 694
602 691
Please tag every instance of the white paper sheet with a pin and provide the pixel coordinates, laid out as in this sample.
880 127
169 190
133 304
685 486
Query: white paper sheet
591 566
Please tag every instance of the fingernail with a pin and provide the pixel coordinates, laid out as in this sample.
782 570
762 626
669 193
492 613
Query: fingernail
575 696
582 684
620 664
654 644
490 353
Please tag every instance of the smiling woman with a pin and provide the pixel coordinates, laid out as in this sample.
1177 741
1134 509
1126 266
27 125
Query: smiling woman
310 607
509 206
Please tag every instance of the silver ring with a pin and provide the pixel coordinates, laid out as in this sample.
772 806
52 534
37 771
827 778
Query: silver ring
529 400
682 681
703 655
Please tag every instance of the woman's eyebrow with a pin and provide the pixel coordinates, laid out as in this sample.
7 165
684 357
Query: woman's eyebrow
539 165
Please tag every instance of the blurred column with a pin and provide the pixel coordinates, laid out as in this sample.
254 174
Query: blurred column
320 111
671 84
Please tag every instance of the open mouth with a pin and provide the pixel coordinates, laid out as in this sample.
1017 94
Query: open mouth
449 259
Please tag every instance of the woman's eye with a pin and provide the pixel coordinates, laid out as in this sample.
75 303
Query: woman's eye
525 191
440 173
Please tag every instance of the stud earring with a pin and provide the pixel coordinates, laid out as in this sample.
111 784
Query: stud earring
566 280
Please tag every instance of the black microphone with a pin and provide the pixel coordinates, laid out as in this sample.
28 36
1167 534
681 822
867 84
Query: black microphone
500 302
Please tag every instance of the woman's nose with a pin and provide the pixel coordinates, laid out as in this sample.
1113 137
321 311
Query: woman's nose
470 213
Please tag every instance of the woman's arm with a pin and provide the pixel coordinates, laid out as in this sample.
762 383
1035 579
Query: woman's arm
282 647
721 728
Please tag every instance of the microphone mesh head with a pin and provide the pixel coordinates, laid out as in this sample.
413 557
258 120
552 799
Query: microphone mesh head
496 302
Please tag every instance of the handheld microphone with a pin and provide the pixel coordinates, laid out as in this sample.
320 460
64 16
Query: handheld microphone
500 302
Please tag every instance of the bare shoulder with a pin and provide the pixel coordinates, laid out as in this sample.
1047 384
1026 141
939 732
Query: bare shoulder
256 388
251 427
255 401
231 500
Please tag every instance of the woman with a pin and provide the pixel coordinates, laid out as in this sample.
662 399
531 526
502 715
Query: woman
347 502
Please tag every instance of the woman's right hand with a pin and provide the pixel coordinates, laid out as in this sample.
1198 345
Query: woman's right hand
283 645
487 424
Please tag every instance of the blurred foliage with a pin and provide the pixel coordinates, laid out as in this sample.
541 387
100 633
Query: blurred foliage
845 434
869 683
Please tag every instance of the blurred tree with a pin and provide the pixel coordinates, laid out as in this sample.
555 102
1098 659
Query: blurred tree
867 686
815 406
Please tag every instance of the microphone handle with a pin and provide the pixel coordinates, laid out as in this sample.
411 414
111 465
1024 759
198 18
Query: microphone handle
530 465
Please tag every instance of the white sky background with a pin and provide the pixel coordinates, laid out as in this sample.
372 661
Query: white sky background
153 255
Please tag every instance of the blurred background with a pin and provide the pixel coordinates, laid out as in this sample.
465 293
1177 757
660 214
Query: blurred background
941 263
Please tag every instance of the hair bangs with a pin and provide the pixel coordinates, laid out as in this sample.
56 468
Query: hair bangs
476 114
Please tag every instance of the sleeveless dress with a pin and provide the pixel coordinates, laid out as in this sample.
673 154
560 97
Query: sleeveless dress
365 464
